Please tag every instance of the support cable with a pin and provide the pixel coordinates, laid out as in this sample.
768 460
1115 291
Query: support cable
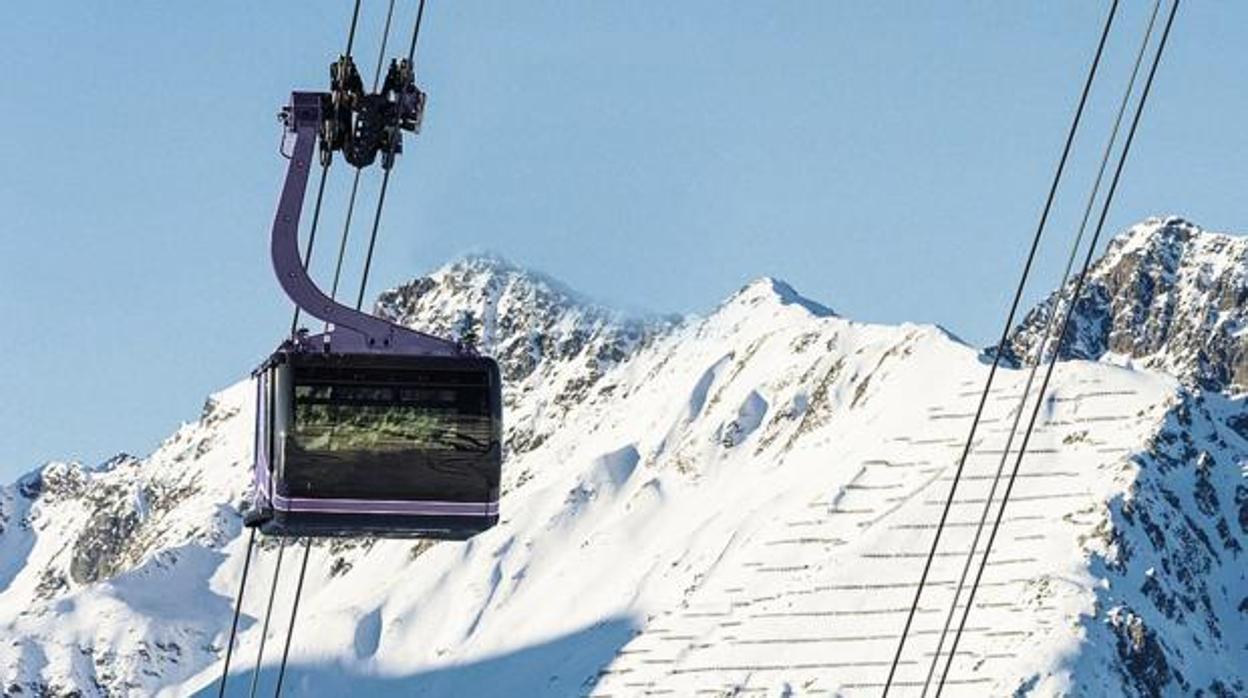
1036 358
355 18
385 179
294 613
320 189
372 239
346 230
325 172
238 607
251 538
268 614
411 50
342 246
996 359
1074 297
385 37
355 183
307 252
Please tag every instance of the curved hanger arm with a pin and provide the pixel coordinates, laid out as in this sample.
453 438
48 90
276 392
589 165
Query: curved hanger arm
303 119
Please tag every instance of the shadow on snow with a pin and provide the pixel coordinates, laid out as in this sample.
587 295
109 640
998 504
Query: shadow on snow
568 665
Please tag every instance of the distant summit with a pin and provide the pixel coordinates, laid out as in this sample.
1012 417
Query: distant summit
771 290
1167 296
544 335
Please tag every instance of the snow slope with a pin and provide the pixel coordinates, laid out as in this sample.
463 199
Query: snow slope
730 505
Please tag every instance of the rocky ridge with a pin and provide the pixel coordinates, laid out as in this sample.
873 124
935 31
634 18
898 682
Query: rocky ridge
1166 296
545 336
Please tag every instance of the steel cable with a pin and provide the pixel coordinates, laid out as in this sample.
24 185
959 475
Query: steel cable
346 231
355 183
385 38
1074 297
268 614
411 50
1037 358
307 253
238 607
996 360
372 240
385 178
294 612
342 246
320 189
355 19
294 325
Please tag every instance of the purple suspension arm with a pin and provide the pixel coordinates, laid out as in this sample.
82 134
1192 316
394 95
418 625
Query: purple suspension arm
351 331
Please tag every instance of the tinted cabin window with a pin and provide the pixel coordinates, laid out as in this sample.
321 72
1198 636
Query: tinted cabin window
384 434
373 419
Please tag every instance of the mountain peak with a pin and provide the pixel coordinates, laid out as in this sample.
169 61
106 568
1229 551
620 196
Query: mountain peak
482 269
481 261
485 262
1166 295
1153 233
541 332
770 290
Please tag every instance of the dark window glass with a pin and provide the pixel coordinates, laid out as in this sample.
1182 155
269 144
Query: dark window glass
335 418
417 436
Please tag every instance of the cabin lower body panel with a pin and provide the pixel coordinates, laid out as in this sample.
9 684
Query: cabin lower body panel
284 524
345 518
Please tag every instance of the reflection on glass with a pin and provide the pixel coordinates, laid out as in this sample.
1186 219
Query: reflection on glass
335 418
392 435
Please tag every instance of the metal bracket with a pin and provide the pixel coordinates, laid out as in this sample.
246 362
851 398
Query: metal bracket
351 331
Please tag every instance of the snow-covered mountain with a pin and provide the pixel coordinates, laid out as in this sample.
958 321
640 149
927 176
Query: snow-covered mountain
735 504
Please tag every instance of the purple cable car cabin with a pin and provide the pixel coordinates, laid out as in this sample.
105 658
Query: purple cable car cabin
368 428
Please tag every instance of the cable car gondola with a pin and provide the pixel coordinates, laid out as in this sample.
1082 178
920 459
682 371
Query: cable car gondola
368 428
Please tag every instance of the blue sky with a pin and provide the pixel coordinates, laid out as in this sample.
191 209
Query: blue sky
887 159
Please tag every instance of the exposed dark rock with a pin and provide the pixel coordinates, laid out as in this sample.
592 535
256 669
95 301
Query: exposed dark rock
60 481
1173 619
1144 664
1229 542
1241 501
1165 294
1239 424
538 330
1161 600
339 567
51 583
100 550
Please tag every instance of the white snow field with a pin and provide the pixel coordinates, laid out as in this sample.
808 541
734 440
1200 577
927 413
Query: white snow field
723 506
